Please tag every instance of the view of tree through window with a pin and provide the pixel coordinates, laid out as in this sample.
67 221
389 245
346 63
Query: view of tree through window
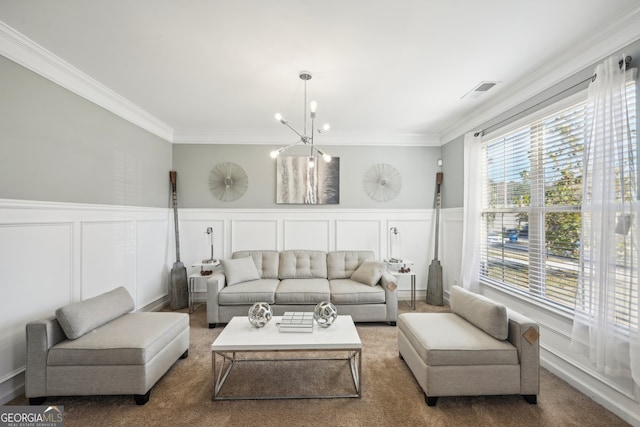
532 197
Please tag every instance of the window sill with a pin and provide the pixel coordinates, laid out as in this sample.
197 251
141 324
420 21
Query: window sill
530 300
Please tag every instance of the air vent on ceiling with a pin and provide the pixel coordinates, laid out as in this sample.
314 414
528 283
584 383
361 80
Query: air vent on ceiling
480 89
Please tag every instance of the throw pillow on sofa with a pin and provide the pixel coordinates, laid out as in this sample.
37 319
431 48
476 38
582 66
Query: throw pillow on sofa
369 272
239 270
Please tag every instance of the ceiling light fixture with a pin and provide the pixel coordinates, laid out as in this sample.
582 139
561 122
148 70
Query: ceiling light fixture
304 138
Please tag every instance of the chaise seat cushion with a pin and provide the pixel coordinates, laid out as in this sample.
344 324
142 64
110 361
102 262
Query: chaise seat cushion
302 291
347 291
132 339
262 290
446 339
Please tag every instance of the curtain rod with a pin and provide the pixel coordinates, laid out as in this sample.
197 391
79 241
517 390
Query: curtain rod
491 128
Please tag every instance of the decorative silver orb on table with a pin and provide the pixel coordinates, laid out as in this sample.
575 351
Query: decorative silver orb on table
325 314
260 314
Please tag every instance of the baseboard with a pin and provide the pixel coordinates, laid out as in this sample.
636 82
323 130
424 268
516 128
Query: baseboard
564 371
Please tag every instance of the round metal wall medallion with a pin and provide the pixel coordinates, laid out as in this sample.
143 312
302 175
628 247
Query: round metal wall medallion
228 182
382 182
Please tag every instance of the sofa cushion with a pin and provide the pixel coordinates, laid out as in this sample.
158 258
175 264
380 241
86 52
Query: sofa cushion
302 291
347 291
446 339
369 273
302 264
267 262
239 270
132 339
488 315
342 264
79 318
261 290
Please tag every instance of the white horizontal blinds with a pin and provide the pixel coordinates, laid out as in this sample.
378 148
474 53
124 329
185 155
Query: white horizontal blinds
506 202
533 185
562 147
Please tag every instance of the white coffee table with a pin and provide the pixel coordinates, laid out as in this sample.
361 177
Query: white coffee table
239 336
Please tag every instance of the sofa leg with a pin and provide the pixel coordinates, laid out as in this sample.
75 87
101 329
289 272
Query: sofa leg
141 399
212 325
431 401
185 354
35 401
400 354
531 398
392 323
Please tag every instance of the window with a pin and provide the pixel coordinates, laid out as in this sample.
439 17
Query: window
532 195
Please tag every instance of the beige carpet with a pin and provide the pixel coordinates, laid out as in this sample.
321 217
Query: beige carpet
391 396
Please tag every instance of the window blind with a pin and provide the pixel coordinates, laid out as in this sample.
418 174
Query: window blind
532 198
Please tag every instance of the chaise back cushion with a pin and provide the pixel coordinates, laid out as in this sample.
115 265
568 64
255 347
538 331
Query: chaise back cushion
342 264
303 264
267 262
488 315
79 318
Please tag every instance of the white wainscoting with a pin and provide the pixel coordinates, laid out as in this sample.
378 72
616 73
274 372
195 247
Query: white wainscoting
324 230
52 254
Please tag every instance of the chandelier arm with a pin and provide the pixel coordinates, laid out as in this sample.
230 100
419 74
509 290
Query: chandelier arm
302 137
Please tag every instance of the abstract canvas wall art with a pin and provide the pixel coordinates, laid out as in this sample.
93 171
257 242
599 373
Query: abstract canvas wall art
297 183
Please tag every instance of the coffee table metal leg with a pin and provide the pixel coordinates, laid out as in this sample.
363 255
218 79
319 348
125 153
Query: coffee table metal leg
220 377
355 361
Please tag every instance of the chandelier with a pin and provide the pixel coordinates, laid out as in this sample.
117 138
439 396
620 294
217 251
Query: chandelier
304 138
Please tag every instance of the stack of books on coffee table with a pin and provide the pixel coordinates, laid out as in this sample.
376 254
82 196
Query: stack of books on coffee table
296 321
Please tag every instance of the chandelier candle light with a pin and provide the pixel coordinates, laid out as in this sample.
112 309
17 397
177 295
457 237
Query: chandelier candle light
304 138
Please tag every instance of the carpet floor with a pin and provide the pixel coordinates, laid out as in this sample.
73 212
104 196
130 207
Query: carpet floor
390 394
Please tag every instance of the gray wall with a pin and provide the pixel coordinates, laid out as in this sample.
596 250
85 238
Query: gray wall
57 146
453 173
417 165
452 151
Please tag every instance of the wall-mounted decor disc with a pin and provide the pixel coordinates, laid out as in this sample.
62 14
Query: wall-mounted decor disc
228 182
382 182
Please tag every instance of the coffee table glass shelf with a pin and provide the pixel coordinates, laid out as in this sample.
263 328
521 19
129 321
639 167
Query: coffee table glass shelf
240 338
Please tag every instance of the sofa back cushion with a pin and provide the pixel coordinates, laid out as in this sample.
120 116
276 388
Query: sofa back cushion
488 315
342 264
267 262
79 318
303 264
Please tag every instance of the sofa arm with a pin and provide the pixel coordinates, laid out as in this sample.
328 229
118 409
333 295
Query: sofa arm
389 283
41 336
524 335
215 283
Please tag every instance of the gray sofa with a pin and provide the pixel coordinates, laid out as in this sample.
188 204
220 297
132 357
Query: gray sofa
481 348
99 347
296 280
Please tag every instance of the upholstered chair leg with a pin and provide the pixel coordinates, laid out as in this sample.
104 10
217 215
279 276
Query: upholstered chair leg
141 399
35 401
185 354
400 354
531 398
431 401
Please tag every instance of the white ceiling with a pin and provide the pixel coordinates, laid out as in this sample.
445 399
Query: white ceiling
384 71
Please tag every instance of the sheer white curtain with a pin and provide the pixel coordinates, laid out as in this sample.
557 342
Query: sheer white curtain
470 265
606 320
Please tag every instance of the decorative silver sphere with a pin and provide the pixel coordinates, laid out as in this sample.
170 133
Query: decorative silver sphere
259 314
325 314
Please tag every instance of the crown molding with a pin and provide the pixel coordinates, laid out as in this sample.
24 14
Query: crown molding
591 50
27 53
329 139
